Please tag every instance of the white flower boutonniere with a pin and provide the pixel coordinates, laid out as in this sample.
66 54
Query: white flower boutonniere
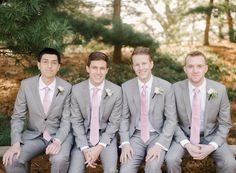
60 90
158 91
108 92
212 93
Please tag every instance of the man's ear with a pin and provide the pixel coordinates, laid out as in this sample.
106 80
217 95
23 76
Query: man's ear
87 69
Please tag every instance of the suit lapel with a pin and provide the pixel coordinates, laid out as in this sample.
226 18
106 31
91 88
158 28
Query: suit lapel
151 98
207 103
187 99
35 92
86 97
104 99
56 96
136 98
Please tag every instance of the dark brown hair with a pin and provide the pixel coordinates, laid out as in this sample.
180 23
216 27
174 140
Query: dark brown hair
95 56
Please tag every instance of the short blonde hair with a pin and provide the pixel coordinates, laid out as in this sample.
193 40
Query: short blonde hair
142 51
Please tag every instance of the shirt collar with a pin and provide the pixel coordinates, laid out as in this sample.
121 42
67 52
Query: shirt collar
201 87
42 84
148 83
100 87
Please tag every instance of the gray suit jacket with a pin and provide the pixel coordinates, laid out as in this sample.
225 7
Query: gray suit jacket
162 112
110 112
28 102
216 117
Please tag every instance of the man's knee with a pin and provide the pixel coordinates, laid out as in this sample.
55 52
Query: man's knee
153 166
110 170
171 160
60 160
126 168
15 166
229 163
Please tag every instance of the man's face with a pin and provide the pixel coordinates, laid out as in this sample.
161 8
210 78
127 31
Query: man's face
142 66
97 71
195 69
48 66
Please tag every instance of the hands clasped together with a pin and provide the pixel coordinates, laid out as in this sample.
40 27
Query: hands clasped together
199 151
91 155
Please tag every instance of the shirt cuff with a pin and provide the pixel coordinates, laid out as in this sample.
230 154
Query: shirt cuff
214 144
102 144
123 143
184 142
164 148
84 147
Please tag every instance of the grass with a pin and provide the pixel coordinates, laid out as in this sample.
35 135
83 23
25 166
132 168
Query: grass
4 130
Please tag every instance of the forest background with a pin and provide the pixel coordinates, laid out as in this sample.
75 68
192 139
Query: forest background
170 28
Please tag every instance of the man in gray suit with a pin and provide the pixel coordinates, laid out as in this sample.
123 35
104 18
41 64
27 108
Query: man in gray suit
45 100
203 112
148 117
95 116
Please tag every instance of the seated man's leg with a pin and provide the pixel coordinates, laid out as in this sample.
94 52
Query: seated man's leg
224 159
77 161
109 157
174 157
139 148
60 162
29 150
155 165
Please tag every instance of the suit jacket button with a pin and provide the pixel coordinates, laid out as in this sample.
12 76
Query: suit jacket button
189 127
45 119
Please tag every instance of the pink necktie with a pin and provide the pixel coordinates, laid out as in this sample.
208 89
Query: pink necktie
144 115
46 100
94 123
46 104
195 124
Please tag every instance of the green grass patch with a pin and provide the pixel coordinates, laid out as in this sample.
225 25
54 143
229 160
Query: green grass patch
4 130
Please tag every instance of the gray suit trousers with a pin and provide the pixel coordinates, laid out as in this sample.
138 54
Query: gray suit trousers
33 147
223 157
108 158
140 149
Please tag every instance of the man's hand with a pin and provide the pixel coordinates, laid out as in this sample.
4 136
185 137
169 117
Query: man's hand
54 147
88 158
13 150
153 152
96 151
205 151
126 153
193 150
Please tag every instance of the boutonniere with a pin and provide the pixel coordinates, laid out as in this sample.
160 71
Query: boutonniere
60 90
108 93
158 91
212 93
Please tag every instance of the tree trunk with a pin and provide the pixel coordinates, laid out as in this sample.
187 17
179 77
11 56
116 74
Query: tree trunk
230 22
117 23
117 54
208 22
